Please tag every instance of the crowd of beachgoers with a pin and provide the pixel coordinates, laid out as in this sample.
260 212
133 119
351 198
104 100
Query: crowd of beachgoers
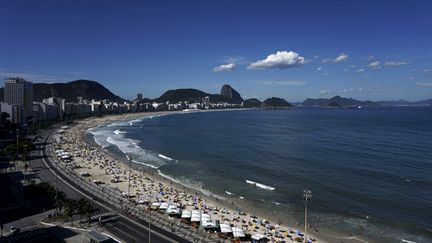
147 189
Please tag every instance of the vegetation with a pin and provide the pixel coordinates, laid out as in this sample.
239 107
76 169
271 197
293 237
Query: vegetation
66 207
276 102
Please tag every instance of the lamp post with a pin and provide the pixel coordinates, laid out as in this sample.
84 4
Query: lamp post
129 178
24 157
307 195
17 148
150 213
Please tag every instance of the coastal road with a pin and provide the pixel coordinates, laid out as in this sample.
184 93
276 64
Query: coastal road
125 228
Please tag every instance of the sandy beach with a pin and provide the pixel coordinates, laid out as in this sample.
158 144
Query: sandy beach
147 187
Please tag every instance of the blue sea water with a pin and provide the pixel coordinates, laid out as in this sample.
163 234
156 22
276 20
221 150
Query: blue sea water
370 170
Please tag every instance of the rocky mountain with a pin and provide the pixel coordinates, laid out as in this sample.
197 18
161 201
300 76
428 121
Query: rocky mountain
195 95
231 93
275 102
71 91
336 101
252 103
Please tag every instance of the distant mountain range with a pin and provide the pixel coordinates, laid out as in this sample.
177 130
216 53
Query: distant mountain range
71 91
427 102
89 90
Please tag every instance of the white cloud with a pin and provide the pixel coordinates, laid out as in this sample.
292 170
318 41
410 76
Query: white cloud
236 59
225 67
341 58
280 60
428 70
360 70
325 91
346 70
32 76
326 74
424 84
316 56
375 65
395 64
319 68
284 83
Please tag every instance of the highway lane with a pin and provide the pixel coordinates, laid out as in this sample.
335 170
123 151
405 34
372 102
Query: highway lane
125 227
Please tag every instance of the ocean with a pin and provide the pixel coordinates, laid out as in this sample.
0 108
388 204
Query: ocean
369 170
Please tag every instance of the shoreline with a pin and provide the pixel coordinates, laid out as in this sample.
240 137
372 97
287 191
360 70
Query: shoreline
158 178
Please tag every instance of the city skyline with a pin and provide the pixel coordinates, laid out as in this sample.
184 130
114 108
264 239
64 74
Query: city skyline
363 49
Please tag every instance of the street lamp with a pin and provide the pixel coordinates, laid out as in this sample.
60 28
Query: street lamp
150 213
129 177
307 195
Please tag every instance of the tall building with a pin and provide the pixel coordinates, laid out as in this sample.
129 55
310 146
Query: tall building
139 97
19 94
207 102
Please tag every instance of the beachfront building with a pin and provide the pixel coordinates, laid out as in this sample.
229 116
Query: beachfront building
18 99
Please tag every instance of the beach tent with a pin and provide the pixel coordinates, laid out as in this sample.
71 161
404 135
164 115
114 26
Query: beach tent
207 222
186 214
237 232
256 238
155 205
196 216
163 206
225 228
173 210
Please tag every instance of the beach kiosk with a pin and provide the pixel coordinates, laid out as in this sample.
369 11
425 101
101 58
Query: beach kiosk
173 210
195 218
258 238
207 223
238 233
225 230
186 216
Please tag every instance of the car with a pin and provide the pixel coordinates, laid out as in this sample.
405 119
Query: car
14 230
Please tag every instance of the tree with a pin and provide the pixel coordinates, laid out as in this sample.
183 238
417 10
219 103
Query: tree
71 206
61 201
81 205
88 211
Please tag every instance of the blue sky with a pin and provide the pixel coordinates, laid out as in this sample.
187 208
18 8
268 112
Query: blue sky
378 50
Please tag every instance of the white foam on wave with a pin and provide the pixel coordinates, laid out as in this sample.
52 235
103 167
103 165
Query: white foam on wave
118 132
118 124
408 241
229 193
165 157
131 149
190 184
259 185
99 137
142 163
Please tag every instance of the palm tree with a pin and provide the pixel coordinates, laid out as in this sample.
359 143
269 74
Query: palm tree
71 206
61 200
88 211
81 204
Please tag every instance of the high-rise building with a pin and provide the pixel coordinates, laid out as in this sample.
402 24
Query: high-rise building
207 102
139 97
19 93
